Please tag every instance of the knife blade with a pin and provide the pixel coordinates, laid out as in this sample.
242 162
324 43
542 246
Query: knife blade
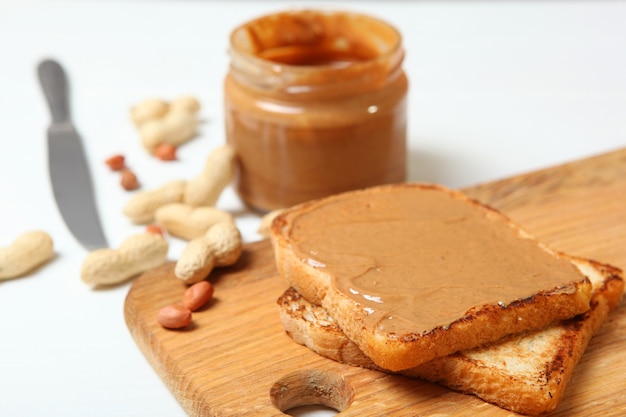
67 163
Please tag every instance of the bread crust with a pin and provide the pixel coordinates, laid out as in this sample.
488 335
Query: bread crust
526 373
395 352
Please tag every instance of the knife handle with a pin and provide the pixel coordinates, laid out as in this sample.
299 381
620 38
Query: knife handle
54 83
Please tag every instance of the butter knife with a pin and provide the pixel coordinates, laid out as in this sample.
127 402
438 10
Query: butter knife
69 171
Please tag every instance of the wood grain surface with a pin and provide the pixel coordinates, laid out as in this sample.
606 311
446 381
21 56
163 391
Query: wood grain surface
236 360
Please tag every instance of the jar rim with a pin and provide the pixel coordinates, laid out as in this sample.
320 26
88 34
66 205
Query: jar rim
392 52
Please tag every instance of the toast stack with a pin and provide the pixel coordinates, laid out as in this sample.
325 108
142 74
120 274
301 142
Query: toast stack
402 278
526 373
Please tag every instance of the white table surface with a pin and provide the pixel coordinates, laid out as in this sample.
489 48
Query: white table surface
497 89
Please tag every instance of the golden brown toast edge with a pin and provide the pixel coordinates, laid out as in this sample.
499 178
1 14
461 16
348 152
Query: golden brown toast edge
479 371
483 325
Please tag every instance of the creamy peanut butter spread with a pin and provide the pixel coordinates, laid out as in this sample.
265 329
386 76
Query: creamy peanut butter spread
418 258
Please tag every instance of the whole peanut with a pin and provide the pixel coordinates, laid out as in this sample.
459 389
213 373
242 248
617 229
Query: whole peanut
186 104
181 126
137 254
221 245
225 243
148 109
175 128
205 189
188 222
174 316
27 252
198 295
142 206
152 134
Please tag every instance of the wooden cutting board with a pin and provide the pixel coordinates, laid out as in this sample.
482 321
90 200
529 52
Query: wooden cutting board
236 360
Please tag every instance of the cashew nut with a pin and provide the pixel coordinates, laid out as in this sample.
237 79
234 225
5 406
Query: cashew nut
137 254
28 251
221 245
188 222
205 189
141 207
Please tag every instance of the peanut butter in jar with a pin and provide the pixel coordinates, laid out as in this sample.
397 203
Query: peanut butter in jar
315 104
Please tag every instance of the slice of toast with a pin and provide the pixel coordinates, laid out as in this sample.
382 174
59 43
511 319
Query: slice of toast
525 373
411 272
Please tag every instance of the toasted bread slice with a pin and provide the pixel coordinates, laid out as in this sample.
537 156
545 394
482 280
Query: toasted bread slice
525 373
411 272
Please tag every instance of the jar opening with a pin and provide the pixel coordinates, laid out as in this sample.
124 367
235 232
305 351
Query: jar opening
315 38
316 55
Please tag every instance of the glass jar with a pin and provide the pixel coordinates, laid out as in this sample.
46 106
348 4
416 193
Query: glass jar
315 104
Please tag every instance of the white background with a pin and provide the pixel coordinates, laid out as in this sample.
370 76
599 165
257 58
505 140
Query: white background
498 88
